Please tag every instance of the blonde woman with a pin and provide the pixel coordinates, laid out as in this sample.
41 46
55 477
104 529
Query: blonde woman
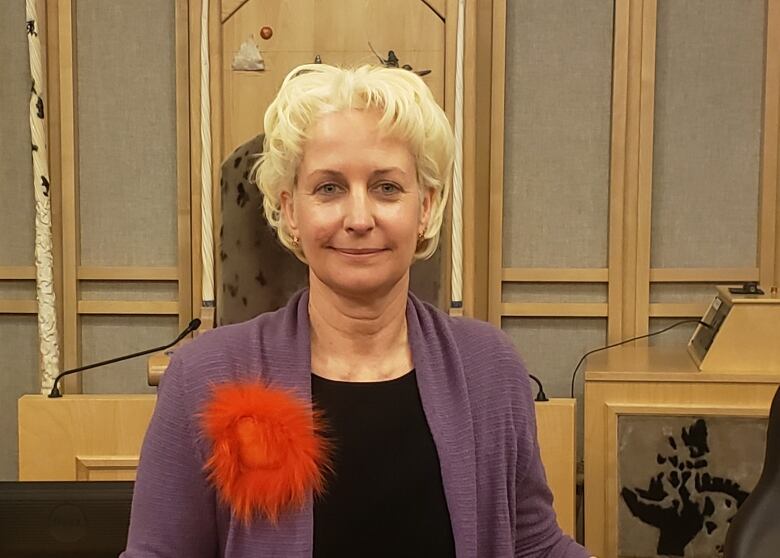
357 420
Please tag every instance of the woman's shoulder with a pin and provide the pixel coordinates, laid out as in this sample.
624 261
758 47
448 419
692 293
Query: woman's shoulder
468 334
220 342
222 352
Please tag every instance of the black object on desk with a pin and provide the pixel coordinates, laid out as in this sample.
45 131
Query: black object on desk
64 518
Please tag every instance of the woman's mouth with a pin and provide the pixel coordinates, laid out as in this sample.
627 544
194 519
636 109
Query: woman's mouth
359 251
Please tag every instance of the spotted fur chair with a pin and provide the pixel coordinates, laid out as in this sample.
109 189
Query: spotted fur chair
255 273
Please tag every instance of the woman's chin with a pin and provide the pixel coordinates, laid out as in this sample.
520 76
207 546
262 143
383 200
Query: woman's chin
363 283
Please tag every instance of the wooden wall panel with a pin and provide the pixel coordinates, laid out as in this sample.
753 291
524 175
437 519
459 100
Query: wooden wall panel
338 33
129 290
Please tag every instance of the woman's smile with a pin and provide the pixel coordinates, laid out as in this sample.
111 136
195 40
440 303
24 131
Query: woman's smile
360 252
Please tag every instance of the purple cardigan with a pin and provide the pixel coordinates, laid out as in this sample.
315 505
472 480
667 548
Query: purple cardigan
476 397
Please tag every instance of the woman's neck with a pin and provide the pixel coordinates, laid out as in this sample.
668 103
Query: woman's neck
359 338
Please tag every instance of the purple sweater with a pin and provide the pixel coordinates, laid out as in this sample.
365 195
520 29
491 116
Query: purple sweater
477 400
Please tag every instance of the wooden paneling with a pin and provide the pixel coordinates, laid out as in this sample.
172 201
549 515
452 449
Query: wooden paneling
558 446
106 467
127 273
553 275
561 309
769 220
495 226
96 430
71 258
17 272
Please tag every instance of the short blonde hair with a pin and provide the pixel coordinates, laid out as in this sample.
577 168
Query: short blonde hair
408 112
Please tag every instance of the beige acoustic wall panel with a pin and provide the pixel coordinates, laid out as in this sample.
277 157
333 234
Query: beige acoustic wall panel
557 133
105 337
18 375
18 333
16 186
126 118
707 133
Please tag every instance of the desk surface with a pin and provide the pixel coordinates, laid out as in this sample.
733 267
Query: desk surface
639 363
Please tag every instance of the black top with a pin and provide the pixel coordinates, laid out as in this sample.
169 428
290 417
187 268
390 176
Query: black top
385 497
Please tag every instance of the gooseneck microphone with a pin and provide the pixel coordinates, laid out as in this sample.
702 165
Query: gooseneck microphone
540 395
193 325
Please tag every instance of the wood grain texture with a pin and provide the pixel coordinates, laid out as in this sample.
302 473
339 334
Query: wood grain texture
55 434
558 446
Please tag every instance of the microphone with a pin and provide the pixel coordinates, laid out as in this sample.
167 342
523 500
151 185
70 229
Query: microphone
540 396
193 325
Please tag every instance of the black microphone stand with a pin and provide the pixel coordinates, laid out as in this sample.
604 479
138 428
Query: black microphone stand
55 391
540 396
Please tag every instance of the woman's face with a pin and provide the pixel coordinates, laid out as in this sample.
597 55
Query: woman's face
356 206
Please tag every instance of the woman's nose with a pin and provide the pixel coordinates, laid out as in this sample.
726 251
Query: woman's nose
359 216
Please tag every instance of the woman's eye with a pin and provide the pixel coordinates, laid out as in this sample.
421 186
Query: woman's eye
389 188
327 189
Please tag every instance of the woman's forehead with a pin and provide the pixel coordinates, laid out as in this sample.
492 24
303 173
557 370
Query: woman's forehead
341 139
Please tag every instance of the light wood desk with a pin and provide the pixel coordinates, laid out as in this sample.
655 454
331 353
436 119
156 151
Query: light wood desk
650 382
82 437
98 437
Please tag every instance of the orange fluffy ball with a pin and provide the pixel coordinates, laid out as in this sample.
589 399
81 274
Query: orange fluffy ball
268 454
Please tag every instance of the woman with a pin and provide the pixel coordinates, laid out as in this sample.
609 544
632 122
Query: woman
422 441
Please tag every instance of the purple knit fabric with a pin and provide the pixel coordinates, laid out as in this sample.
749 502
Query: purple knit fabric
476 397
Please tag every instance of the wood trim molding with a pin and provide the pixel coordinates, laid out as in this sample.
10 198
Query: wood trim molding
645 171
554 275
183 200
470 125
769 180
18 307
194 7
70 191
116 273
53 100
17 273
619 188
554 309
496 205
704 275
128 307
677 310
631 168
99 467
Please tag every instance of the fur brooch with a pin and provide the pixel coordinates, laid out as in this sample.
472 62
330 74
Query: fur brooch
268 455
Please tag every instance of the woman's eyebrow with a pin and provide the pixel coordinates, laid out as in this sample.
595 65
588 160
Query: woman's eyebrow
326 173
331 173
388 170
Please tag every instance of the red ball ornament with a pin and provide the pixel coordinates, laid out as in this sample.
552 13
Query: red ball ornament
266 32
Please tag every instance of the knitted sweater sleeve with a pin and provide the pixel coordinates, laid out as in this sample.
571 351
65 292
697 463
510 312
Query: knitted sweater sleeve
537 532
173 512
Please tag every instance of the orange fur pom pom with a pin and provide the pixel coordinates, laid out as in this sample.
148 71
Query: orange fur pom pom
267 454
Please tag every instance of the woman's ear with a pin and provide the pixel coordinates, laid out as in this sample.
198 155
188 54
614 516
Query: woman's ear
288 213
425 212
